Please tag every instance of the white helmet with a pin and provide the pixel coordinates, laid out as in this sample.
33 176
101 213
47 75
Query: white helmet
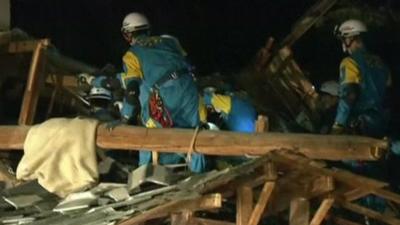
351 28
99 93
134 22
331 87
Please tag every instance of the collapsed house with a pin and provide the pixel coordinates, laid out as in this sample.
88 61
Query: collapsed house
284 179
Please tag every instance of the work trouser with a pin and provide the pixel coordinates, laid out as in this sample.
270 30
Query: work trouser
180 98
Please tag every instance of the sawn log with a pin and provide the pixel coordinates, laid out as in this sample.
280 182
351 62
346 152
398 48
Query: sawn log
328 147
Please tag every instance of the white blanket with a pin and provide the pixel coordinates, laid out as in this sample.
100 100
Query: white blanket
61 154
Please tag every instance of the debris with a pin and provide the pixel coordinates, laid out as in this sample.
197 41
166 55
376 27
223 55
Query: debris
21 201
149 173
118 194
76 201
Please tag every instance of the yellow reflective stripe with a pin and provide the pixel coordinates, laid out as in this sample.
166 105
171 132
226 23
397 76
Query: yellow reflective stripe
151 123
202 110
350 71
132 66
222 103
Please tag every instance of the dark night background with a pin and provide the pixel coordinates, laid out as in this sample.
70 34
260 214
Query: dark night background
219 35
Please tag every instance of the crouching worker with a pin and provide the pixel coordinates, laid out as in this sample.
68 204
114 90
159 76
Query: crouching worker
229 112
159 86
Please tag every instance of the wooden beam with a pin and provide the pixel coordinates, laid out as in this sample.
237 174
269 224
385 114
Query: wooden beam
369 213
202 221
329 147
182 218
387 195
66 80
355 194
307 166
308 20
244 204
23 46
261 203
322 211
341 221
306 186
210 201
262 124
299 212
32 90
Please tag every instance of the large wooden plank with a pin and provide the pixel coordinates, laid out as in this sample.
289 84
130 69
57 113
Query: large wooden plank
329 147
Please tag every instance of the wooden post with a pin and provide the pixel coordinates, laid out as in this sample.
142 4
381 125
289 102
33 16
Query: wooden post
154 156
182 218
262 124
244 204
299 212
261 203
32 90
322 211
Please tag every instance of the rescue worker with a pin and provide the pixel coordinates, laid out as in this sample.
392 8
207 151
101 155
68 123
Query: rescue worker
230 112
327 104
237 113
159 81
101 104
363 82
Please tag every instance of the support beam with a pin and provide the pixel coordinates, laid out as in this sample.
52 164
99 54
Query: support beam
370 213
342 176
341 221
329 147
244 204
261 203
210 201
32 90
182 218
202 221
299 212
387 195
312 16
322 211
23 46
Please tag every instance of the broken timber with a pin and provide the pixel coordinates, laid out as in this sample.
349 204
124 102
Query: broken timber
329 147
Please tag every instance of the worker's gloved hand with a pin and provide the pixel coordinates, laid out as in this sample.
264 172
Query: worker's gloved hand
118 105
85 78
337 129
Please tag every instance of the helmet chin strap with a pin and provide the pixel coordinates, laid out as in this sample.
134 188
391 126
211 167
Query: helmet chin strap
129 38
346 47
